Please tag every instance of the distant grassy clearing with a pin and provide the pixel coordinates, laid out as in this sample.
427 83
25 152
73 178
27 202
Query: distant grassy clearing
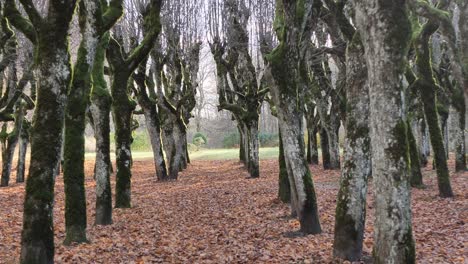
206 154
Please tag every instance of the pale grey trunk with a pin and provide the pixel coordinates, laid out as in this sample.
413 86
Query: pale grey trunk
386 32
170 149
155 136
457 134
351 200
253 158
292 128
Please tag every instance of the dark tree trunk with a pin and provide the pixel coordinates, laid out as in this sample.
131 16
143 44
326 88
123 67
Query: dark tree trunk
427 90
122 109
52 60
424 148
75 124
326 163
23 147
312 149
100 108
284 188
9 146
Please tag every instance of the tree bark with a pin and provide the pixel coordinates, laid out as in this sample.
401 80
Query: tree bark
23 147
154 130
416 179
386 33
9 144
75 124
50 38
427 90
100 108
283 69
284 188
351 201
312 149
253 150
324 146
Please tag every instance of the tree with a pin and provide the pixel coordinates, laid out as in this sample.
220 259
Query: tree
385 32
122 68
351 201
49 35
238 89
292 27
425 83
94 23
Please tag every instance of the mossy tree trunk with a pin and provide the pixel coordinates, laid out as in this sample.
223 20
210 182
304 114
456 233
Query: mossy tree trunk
282 68
122 105
50 37
100 108
425 83
351 201
75 122
386 33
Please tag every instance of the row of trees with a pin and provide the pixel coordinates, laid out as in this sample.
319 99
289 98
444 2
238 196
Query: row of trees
374 66
152 74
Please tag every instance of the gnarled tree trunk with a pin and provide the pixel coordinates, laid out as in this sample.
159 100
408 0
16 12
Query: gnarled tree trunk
385 33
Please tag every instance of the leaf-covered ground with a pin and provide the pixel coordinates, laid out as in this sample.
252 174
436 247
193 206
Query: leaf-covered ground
213 214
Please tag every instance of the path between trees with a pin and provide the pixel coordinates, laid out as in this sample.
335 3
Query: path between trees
213 214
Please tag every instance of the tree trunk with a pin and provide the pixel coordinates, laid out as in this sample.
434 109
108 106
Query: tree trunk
241 145
334 147
23 147
416 179
122 109
351 201
386 33
154 130
312 149
298 170
424 148
9 146
427 87
75 125
253 145
324 146
37 243
458 118
100 108
284 188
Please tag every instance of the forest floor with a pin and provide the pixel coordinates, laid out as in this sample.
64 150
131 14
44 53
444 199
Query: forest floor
213 214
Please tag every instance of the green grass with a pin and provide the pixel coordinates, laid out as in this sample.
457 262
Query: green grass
226 154
205 154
